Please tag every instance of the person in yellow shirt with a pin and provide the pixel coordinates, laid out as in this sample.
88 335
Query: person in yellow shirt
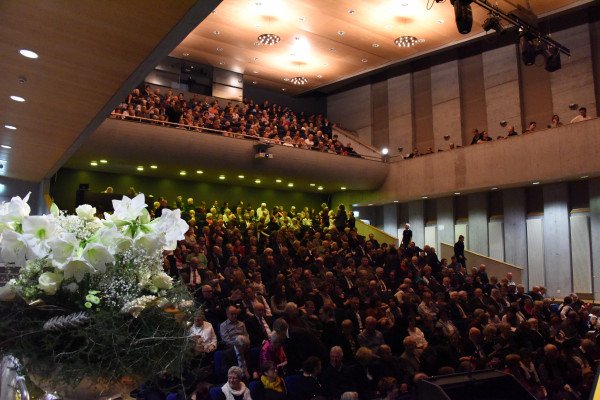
272 382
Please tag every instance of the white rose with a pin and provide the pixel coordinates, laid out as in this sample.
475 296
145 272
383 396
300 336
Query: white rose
49 282
8 292
86 212
162 281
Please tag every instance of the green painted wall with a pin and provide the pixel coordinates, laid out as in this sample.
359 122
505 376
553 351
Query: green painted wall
66 182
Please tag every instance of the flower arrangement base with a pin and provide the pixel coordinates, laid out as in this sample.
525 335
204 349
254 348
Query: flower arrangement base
87 389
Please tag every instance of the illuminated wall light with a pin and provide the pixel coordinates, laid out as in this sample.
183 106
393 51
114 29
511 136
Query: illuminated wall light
93 163
104 161
312 184
278 180
396 201
221 177
154 166
494 188
536 183
199 172
140 168
28 53
5 146
290 184
11 127
241 176
424 197
182 173
320 188
457 193
17 98
343 188
257 181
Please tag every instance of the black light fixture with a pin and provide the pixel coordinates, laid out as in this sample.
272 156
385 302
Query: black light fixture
493 22
552 59
463 15
530 48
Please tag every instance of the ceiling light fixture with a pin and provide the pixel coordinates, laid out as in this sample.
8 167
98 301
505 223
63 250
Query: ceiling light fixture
375 45
154 166
457 193
584 177
278 180
290 184
341 33
217 33
241 176
28 53
406 41
11 127
140 168
93 163
219 49
199 171
255 58
364 60
182 173
312 184
268 39
221 62
299 80
286 79
463 15
320 188
385 151
103 161
494 188
17 98
186 54
283 89
343 188
222 177
319 76
254 82
351 11
424 197
536 183
493 22
257 181
396 201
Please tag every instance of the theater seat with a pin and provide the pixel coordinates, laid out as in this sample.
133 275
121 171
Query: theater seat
292 384
257 390
218 366
214 392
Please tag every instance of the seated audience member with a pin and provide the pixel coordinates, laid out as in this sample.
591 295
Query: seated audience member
272 350
388 388
555 123
476 136
530 128
309 386
336 377
582 115
370 337
274 387
203 334
234 388
238 356
231 328
511 131
485 137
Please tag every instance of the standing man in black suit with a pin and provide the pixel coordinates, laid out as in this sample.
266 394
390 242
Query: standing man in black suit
459 251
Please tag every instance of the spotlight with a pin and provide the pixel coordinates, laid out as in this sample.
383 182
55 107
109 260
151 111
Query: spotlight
384 151
552 59
503 123
463 15
530 48
493 22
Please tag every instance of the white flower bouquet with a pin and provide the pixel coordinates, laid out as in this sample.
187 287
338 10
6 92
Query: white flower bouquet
91 297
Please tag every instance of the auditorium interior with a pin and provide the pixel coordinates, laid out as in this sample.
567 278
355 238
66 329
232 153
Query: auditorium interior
409 94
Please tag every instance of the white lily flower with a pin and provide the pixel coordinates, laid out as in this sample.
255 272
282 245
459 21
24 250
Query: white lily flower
8 292
49 282
113 239
150 242
16 209
128 209
14 248
98 256
76 268
63 247
71 287
37 230
173 226
86 212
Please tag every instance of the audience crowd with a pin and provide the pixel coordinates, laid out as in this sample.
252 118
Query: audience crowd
295 304
267 122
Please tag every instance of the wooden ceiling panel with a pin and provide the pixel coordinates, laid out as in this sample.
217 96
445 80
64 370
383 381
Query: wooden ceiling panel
317 23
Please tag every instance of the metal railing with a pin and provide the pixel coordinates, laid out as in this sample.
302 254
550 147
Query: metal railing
11 382
236 135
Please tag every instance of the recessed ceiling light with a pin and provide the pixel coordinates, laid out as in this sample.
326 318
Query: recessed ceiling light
221 177
535 183
351 11
440 21
103 161
457 193
254 82
257 181
424 197
364 60
343 188
17 98
154 166
28 53
186 54
140 168
255 72
221 63
320 188
182 173
219 49
332 49
494 188
11 127
286 79
216 33
283 89
241 176
319 76
278 180
376 45
255 58
584 177
396 201
94 163
312 184
199 171
291 184
341 33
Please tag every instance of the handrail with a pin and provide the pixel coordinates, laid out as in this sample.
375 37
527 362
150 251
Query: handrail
483 255
117 116
356 138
